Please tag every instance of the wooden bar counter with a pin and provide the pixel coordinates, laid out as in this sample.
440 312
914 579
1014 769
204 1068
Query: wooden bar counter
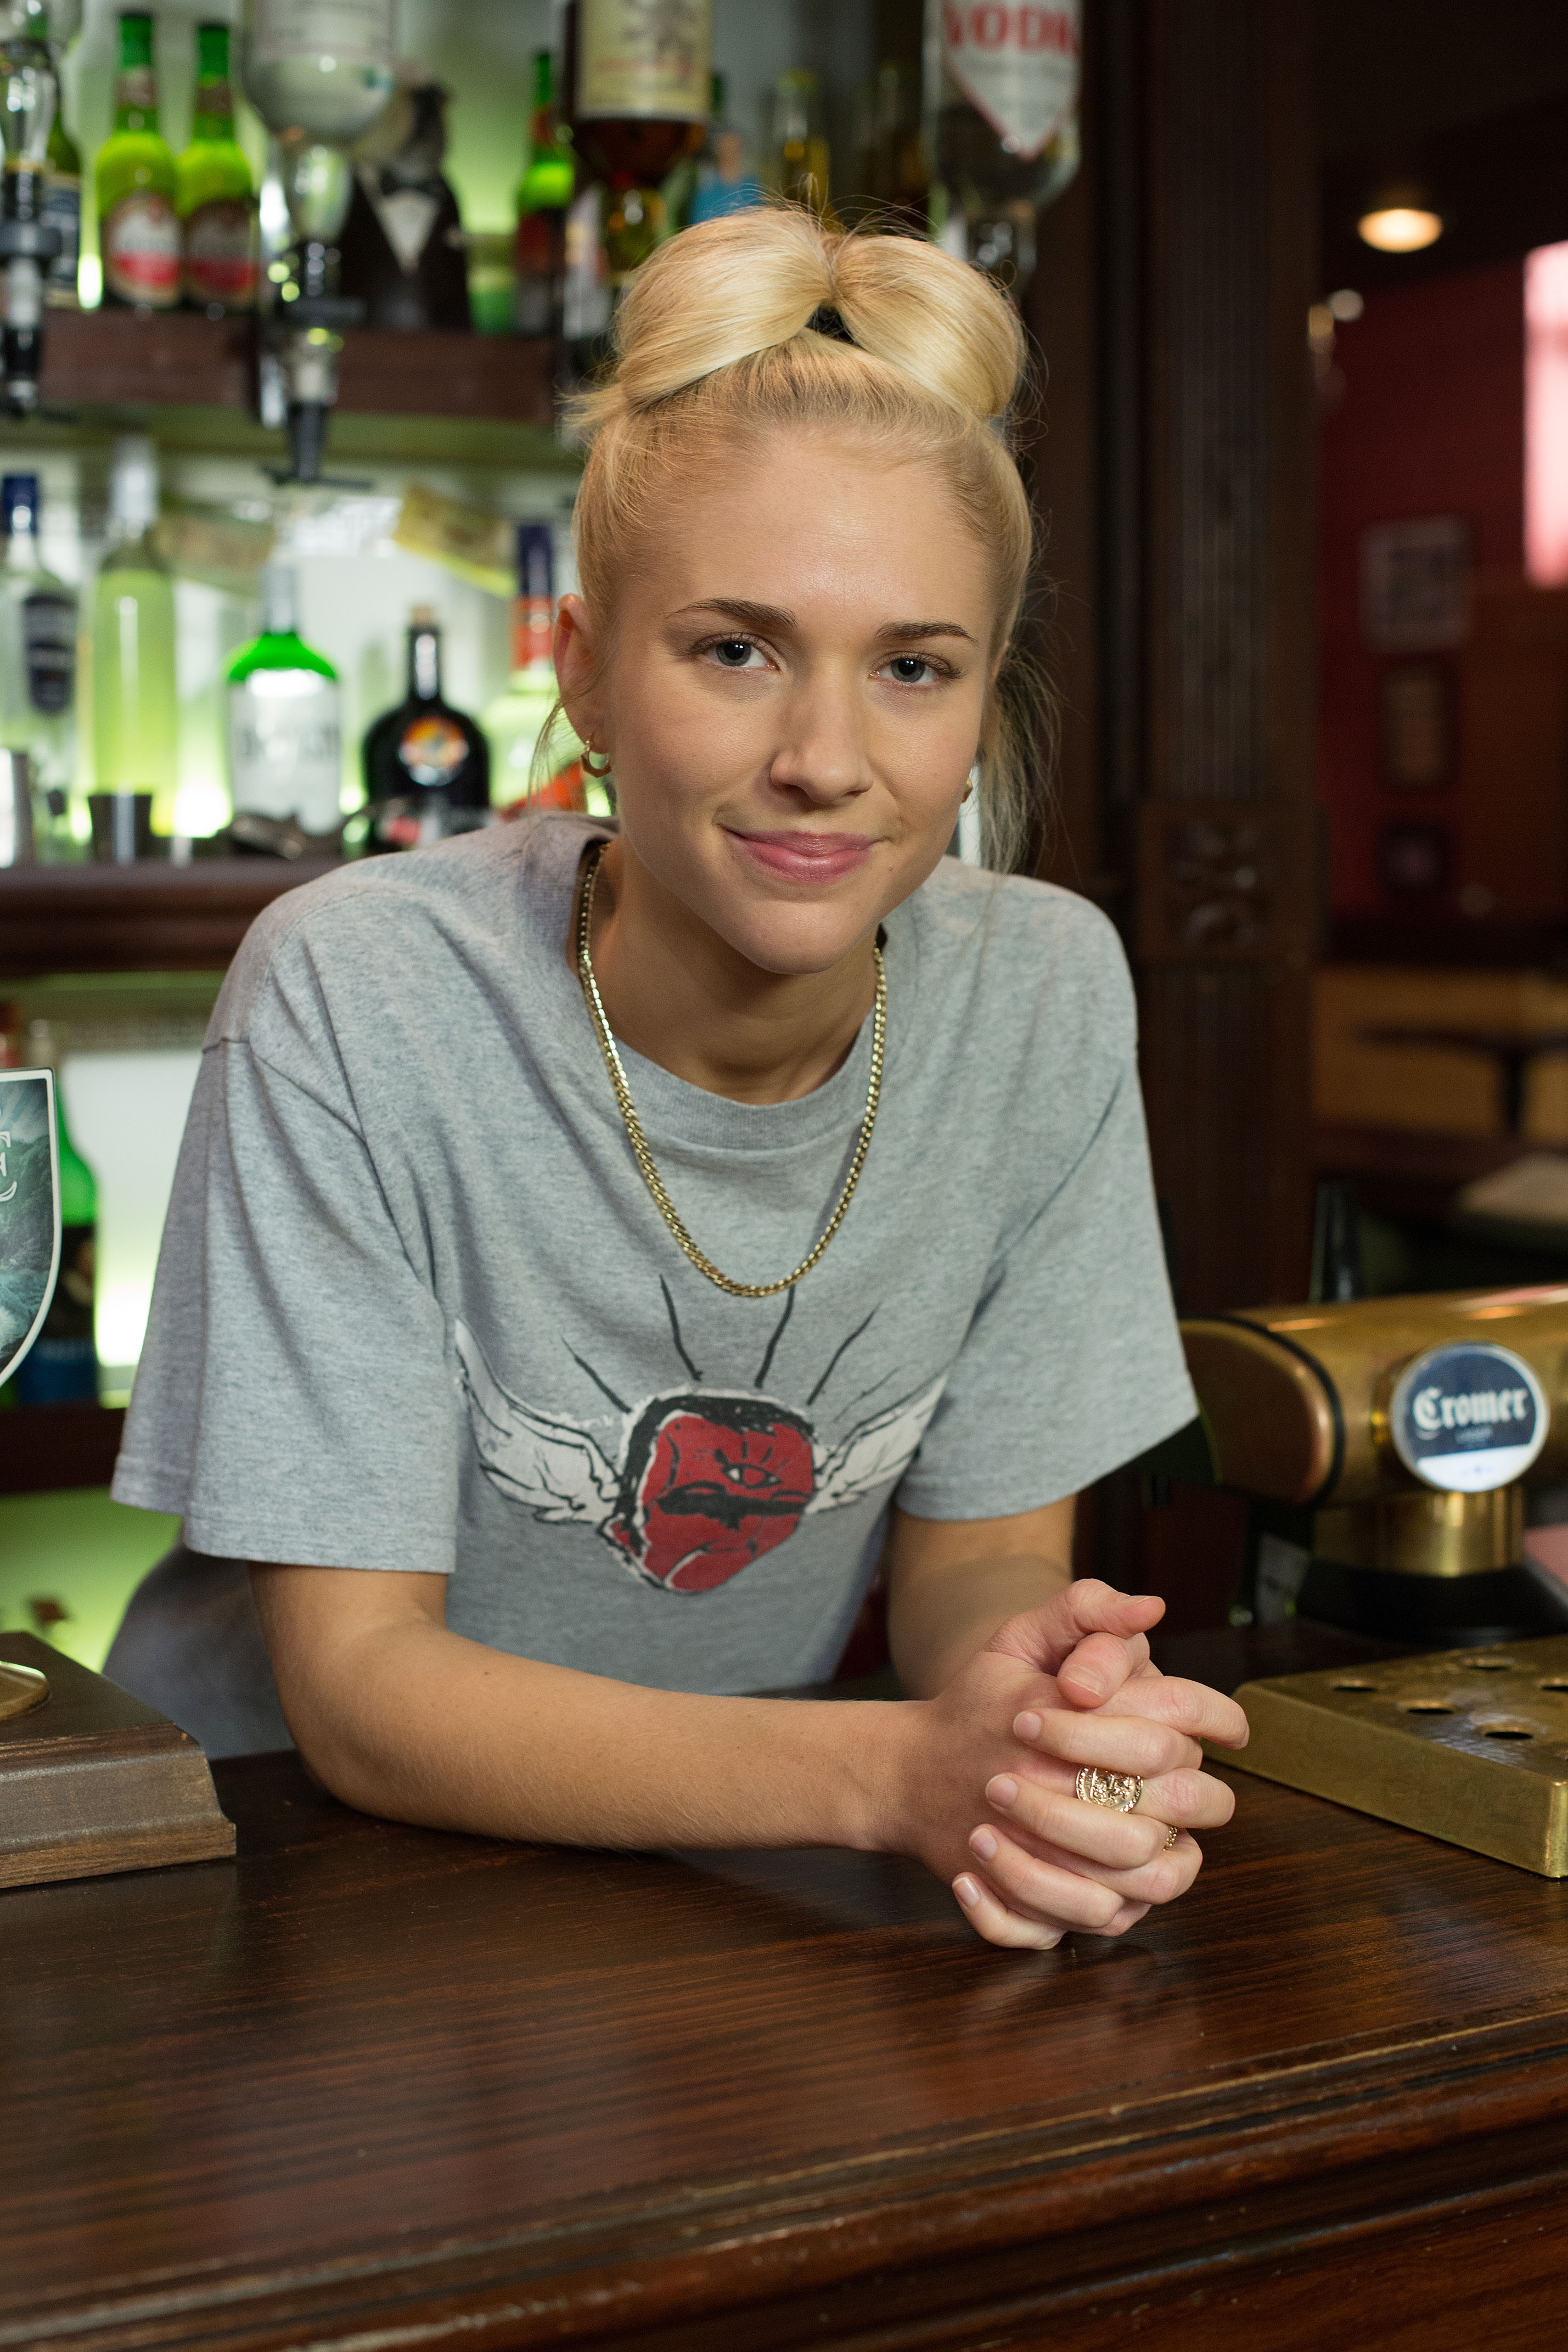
377 2087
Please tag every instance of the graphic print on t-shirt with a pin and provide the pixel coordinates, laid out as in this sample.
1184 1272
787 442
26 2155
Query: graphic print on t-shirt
704 1482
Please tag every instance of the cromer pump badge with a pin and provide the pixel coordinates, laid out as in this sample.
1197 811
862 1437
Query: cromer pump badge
1468 1416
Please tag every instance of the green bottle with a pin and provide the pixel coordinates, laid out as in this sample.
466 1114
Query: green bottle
216 197
138 222
286 757
62 210
135 710
544 199
63 1366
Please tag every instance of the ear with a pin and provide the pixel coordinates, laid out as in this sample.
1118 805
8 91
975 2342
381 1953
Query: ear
575 668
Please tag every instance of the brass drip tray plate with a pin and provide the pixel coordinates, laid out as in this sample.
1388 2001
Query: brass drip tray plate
1469 1746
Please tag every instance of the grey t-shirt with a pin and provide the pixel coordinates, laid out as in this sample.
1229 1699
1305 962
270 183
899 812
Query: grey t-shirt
415 1309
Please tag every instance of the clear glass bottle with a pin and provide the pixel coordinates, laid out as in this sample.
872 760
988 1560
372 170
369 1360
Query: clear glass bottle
63 1366
286 754
217 195
515 720
138 223
1001 127
323 68
723 183
37 660
135 709
799 166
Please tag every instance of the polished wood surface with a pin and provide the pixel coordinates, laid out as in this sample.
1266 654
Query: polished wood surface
378 2085
150 918
92 1781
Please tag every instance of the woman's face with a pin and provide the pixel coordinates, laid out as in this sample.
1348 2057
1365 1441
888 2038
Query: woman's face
794 694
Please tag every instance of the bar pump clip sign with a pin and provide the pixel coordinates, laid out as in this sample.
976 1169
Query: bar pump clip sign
29 1209
1468 1417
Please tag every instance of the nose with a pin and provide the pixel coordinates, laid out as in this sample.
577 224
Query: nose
821 759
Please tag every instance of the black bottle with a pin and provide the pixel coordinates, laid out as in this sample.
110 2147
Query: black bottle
401 246
427 766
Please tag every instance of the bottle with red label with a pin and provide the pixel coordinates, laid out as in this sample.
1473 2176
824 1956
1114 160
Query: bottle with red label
1001 125
138 218
216 195
426 766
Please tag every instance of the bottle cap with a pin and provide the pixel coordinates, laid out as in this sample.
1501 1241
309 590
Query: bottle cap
422 617
536 560
18 492
279 600
133 482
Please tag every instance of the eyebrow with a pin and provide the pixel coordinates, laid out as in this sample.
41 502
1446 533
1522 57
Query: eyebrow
774 616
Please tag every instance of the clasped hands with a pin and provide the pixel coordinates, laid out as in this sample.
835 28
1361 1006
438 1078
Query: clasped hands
994 1758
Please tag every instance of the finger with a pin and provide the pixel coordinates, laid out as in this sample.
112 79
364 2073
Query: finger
1120 1841
1051 1889
1188 1707
1086 1893
991 1918
1116 1742
1100 1666
1043 1637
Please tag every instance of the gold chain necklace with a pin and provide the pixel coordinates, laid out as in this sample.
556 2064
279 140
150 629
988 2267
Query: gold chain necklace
639 1141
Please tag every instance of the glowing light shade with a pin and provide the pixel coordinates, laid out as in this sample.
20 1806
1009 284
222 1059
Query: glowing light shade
1400 228
1546 416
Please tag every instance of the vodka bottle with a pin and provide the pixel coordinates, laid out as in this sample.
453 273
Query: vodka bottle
321 68
1001 87
285 737
135 709
37 652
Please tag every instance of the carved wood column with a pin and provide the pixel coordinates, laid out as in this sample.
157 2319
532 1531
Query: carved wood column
1226 885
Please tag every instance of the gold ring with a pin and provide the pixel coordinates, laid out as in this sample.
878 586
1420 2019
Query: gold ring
1118 1792
1171 1836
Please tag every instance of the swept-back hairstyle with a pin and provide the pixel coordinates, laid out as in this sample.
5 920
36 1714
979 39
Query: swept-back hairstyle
764 318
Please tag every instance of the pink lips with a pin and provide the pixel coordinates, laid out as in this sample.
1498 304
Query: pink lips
805 856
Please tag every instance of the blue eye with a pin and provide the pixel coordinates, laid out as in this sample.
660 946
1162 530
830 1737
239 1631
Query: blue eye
909 668
734 652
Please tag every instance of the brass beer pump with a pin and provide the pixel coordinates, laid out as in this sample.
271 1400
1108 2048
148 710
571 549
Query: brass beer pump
1405 1432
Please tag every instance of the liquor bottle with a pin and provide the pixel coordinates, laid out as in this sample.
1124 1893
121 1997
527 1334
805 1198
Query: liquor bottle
892 186
138 222
134 705
544 199
217 197
515 720
722 183
320 67
37 656
402 245
638 86
285 738
1001 89
63 1366
797 163
62 210
426 766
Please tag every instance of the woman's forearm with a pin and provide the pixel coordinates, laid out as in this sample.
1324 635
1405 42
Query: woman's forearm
405 1718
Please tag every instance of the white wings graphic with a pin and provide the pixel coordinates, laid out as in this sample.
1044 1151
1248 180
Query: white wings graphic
553 1466
875 1452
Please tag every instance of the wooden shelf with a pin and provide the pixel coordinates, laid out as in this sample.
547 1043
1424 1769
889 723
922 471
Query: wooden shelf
114 359
151 918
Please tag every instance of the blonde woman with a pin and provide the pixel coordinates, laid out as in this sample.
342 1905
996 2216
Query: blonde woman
596 1246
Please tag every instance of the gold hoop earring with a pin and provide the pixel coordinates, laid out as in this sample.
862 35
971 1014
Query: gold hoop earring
589 757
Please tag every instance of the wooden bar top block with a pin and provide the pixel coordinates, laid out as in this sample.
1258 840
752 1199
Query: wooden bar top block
93 1781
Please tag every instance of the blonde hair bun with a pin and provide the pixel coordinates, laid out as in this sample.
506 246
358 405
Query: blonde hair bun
721 292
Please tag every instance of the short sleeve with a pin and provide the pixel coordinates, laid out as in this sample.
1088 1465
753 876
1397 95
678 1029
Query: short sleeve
1073 1362
293 1399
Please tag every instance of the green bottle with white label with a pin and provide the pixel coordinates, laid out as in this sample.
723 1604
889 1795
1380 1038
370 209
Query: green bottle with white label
286 758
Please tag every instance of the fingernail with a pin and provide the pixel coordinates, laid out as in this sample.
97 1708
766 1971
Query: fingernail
1086 1679
983 1844
1028 1727
967 1893
1002 1791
